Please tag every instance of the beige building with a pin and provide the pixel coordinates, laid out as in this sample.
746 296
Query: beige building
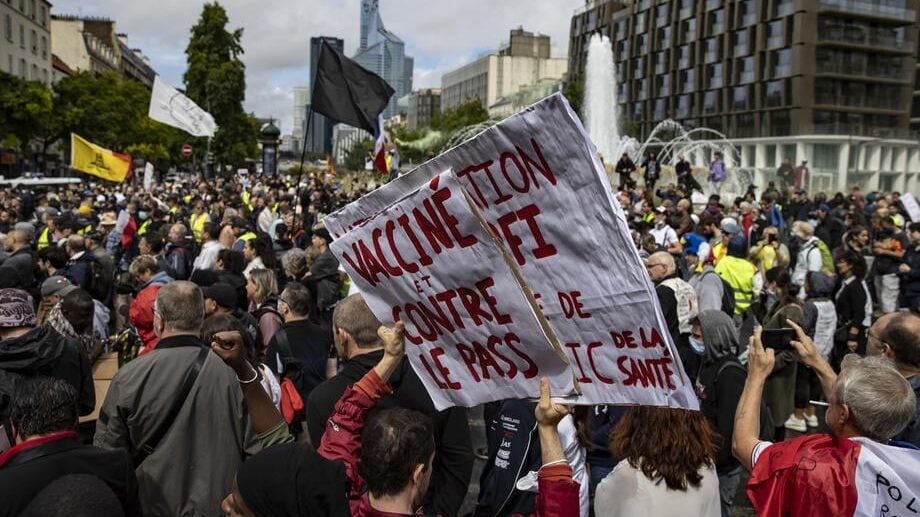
86 44
25 39
524 61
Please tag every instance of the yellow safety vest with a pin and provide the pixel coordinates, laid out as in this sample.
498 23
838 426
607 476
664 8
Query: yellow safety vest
245 196
739 273
719 251
44 238
248 236
197 223
143 229
86 230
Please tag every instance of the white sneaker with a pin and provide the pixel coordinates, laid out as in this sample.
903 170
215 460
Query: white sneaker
812 420
796 424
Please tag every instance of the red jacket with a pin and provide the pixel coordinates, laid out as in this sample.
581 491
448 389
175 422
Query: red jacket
558 495
140 313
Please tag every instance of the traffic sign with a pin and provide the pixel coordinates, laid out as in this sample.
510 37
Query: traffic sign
186 150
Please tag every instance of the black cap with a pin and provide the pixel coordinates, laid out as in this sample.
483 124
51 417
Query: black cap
222 294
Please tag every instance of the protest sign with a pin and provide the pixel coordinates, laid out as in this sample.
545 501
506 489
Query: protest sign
472 330
910 204
538 183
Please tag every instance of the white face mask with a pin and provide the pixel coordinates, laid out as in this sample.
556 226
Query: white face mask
697 345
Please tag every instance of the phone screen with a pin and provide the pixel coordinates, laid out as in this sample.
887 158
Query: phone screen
777 339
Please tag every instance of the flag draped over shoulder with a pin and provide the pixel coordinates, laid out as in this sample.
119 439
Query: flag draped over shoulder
171 107
92 159
346 92
818 475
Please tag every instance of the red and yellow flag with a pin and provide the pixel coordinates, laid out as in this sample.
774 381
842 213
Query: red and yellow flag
92 159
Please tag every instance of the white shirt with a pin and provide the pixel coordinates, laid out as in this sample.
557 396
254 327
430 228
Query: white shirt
208 256
809 259
255 264
664 236
626 492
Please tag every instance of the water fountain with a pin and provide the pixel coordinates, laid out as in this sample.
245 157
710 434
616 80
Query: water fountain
602 122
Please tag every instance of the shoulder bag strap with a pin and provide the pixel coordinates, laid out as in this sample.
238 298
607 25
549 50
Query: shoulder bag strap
147 448
284 346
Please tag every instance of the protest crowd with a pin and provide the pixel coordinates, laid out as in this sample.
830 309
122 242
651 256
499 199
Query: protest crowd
252 382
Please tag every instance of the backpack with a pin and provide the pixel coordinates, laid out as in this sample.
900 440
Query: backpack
767 422
827 260
100 287
728 295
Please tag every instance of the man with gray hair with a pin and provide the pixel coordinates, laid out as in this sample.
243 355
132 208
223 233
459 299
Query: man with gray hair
868 404
176 255
178 413
678 303
896 336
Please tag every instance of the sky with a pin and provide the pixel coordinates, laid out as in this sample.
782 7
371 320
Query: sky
440 34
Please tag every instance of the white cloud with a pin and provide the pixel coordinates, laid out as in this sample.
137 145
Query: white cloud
441 35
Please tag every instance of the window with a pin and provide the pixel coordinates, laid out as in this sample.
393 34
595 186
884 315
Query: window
22 68
684 59
741 42
664 85
711 50
661 62
782 63
642 43
745 70
43 18
664 37
740 98
686 8
783 7
34 42
684 106
715 75
44 47
688 30
32 11
8 27
717 22
747 12
638 110
639 67
22 37
769 157
661 109
642 89
711 102
688 80
661 14
825 156
779 123
33 76
773 94
639 23
776 34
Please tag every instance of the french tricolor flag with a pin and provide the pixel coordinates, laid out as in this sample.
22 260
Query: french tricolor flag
821 475
380 146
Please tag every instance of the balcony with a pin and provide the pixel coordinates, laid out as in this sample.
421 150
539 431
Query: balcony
869 8
856 35
885 72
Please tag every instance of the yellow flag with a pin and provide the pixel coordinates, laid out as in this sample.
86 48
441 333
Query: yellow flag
88 157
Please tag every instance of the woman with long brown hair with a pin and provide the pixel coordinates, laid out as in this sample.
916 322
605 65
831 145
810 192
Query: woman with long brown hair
668 466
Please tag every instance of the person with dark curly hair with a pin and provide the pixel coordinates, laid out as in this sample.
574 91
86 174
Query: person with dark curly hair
668 466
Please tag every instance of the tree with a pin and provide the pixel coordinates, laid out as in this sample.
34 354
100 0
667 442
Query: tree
574 91
356 157
216 80
459 117
25 110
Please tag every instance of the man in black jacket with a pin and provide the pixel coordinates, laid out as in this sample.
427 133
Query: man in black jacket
44 418
18 269
28 351
355 333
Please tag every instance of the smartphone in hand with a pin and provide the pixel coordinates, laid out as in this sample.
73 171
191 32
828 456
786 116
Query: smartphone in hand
778 339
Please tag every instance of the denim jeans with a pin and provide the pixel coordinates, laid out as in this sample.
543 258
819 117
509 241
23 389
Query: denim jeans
728 486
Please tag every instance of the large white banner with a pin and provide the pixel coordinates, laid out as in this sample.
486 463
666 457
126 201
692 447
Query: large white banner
538 183
171 107
472 329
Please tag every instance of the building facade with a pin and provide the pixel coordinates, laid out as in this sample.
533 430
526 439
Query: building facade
25 39
92 45
759 67
524 61
424 106
318 138
301 101
835 76
384 53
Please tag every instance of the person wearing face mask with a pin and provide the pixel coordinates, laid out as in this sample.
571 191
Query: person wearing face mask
665 236
719 384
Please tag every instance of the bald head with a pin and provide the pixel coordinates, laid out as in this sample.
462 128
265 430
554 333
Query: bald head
18 239
897 336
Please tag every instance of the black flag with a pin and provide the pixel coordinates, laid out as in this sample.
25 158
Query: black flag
346 92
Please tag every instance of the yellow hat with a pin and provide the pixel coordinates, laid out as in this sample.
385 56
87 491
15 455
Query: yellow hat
85 210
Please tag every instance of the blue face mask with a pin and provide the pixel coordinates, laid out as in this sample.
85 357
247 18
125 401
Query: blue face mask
697 345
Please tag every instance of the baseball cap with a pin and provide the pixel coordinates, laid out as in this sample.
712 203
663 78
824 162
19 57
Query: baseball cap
58 285
222 294
824 207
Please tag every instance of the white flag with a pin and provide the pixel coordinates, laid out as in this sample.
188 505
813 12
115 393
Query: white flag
169 106
148 176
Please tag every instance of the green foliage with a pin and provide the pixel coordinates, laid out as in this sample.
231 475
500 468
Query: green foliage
216 80
461 116
25 110
358 154
574 91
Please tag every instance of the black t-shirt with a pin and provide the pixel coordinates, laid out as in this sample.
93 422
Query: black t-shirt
886 265
311 344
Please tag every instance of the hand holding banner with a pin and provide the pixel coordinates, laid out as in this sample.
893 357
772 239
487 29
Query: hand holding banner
472 329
